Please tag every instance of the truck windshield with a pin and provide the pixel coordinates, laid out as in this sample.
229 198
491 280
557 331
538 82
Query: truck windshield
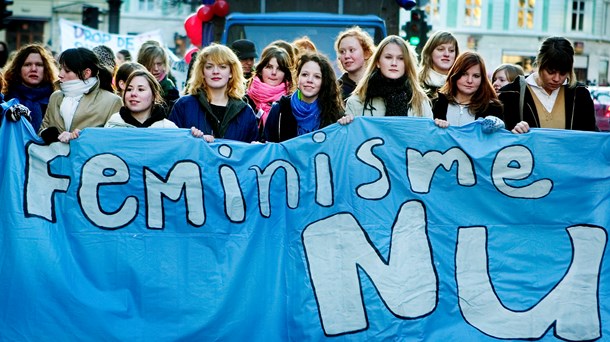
322 36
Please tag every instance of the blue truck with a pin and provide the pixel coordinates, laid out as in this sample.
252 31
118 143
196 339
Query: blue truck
321 28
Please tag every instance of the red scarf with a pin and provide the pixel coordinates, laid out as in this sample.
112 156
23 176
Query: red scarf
263 95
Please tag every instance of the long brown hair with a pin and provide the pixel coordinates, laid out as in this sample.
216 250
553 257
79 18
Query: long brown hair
484 96
155 87
12 73
329 97
283 61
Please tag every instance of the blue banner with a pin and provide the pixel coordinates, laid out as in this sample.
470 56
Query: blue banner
384 229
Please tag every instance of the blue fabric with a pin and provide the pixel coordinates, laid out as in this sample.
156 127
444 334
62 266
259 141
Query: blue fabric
306 114
36 99
387 229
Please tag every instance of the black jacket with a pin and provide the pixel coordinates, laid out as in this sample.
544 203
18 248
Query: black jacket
281 124
441 103
580 112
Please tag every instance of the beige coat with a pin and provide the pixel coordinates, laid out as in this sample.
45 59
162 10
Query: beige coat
94 110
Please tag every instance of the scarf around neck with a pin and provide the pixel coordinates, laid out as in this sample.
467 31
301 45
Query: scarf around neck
73 92
306 114
77 87
396 94
157 113
263 95
435 79
34 99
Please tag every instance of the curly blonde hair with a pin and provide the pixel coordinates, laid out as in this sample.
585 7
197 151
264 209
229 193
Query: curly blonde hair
217 54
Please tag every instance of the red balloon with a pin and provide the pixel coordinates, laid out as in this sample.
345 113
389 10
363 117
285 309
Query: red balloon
221 8
194 29
189 55
205 13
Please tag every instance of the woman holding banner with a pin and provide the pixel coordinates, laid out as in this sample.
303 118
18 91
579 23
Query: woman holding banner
549 97
85 98
214 103
467 95
143 105
315 104
390 86
30 78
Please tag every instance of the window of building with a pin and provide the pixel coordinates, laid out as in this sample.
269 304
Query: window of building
433 10
525 14
146 5
602 78
578 15
605 21
472 13
23 32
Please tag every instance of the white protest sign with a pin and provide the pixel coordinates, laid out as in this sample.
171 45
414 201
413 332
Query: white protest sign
76 35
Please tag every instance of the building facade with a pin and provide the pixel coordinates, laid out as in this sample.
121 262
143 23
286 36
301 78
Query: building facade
38 20
503 31
510 31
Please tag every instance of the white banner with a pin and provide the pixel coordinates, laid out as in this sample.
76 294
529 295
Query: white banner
76 35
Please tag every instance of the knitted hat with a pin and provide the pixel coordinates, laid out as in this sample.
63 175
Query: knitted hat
105 55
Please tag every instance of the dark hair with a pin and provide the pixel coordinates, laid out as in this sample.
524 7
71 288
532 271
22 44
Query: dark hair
557 54
3 54
329 97
123 72
79 59
484 96
291 49
125 54
283 61
12 74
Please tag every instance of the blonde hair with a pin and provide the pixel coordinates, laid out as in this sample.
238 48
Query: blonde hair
436 39
363 37
218 54
419 97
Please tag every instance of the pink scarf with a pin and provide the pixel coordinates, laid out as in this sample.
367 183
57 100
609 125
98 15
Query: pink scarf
264 95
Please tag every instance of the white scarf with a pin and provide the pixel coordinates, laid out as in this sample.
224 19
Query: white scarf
73 92
435 78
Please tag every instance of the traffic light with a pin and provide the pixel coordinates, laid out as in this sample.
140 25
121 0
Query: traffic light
417 29
91 16
5 12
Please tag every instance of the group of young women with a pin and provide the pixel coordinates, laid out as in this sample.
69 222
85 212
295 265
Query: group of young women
295 92
454 89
